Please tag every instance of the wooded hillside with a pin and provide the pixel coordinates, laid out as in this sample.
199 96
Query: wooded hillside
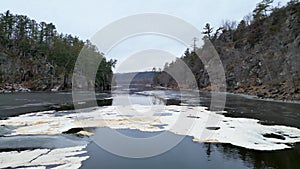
35 56
260 55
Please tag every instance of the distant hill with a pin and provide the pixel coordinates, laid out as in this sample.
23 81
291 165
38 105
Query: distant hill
133 79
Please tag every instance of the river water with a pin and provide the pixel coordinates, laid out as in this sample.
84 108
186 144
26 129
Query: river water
187 154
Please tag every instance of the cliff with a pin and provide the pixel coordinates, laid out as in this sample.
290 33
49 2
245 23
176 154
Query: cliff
260 58
263 58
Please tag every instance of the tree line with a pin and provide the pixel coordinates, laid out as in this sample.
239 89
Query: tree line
36 55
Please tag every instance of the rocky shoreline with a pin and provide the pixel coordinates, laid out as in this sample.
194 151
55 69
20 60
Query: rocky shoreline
30 87
12 88
266 93
278 93
262 92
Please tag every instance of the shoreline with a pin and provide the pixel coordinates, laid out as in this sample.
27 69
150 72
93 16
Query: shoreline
246 95
249 96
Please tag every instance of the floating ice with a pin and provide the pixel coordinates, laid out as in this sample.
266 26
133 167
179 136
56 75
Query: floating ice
40 158
195 121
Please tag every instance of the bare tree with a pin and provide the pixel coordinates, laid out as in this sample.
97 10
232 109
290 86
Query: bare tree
248 19
217 33
229 25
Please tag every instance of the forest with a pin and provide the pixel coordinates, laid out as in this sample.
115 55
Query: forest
34 56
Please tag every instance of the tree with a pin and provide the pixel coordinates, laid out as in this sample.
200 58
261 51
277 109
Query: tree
8 21
242 25
39 51
187 52
293 2
248 19
217 33
207 30
260 12
229 25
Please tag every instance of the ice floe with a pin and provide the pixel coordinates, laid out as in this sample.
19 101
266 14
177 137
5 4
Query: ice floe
196 121
40 158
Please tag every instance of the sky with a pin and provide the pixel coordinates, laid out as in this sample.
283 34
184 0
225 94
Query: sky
84 18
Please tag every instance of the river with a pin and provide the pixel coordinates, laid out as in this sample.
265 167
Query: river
187 154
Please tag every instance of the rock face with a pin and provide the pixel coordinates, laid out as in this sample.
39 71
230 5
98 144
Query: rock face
263 58
260 59
23 76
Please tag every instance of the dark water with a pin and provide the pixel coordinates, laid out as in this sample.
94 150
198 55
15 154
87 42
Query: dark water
267 111
187 155
12 104
40 142
190 155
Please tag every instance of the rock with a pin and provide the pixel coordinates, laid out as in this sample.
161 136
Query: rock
261 95
55 89
273 91
291 91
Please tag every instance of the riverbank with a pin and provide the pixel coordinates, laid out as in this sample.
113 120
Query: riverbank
13 88
254 93
267 92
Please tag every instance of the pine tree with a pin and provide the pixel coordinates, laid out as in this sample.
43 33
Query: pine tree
260 12
207 30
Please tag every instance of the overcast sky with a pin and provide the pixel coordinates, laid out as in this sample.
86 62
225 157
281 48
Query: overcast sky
84 18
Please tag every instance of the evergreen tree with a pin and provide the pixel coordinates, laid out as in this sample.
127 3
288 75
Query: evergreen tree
260 12
36 49
207 30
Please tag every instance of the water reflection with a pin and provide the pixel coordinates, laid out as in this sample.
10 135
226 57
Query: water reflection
186 155
157 101
208 150
285 159
189 154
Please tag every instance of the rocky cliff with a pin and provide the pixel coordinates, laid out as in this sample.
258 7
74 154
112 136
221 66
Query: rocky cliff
263 58
260 58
